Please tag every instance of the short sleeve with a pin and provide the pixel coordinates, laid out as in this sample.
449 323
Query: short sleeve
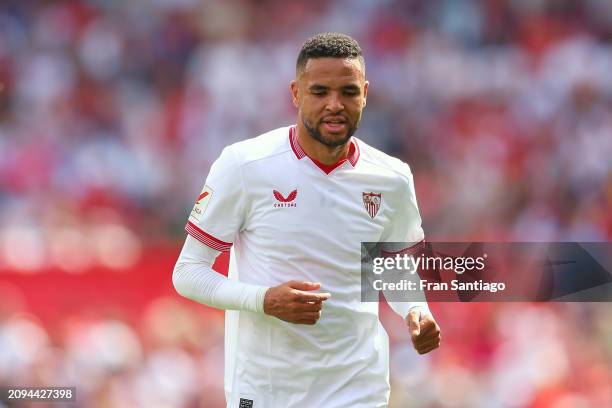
404 230
218 212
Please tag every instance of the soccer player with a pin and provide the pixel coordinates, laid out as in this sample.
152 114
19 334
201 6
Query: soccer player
294 205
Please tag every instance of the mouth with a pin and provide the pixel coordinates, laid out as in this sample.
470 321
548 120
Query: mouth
334 124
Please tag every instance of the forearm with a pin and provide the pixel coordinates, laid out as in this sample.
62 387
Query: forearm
417 298
194 278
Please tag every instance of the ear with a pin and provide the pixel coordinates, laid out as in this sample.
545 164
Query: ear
365 92
293 86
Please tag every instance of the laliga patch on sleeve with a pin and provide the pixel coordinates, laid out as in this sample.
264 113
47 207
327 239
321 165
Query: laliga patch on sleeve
201 203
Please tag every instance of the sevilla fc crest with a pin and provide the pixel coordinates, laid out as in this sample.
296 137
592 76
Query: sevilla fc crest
372 201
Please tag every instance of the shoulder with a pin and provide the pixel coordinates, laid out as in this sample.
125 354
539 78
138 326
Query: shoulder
266 145
382 162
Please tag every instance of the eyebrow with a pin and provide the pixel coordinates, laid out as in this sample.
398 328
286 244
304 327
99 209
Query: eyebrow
318 87
351 88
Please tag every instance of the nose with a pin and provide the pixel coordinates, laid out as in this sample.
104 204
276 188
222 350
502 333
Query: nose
334 104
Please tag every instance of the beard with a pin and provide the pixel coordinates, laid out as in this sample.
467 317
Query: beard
316 134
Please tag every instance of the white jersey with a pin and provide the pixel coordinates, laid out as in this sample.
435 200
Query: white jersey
288 217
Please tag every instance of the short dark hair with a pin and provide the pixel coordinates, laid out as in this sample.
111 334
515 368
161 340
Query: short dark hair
329 45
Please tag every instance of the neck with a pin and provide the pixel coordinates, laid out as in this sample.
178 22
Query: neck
317 150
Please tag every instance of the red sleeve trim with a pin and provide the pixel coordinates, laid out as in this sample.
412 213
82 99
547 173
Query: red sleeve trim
207 239
411 250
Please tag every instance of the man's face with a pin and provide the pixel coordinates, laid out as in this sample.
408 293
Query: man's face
330 94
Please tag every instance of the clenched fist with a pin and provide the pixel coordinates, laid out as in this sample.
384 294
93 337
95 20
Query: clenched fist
424 331
294 303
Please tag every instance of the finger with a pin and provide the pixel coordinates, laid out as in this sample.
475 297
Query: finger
310 316
307 307
306 297
425 339
302 285
428 325
427 344
429 331
306 321
413 323
427 350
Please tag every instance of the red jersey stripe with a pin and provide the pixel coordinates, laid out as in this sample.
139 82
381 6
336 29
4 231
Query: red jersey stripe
411 250
206 238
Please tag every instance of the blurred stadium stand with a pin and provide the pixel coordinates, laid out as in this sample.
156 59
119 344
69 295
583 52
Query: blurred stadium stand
111 113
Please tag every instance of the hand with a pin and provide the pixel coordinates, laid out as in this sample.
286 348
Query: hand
293 303
424 331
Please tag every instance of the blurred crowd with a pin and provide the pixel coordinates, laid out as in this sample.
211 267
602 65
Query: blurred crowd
492 356
111 113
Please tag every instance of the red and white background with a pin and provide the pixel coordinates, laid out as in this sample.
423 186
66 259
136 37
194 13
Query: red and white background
112 112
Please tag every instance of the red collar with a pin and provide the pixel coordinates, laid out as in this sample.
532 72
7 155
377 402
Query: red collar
352 157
